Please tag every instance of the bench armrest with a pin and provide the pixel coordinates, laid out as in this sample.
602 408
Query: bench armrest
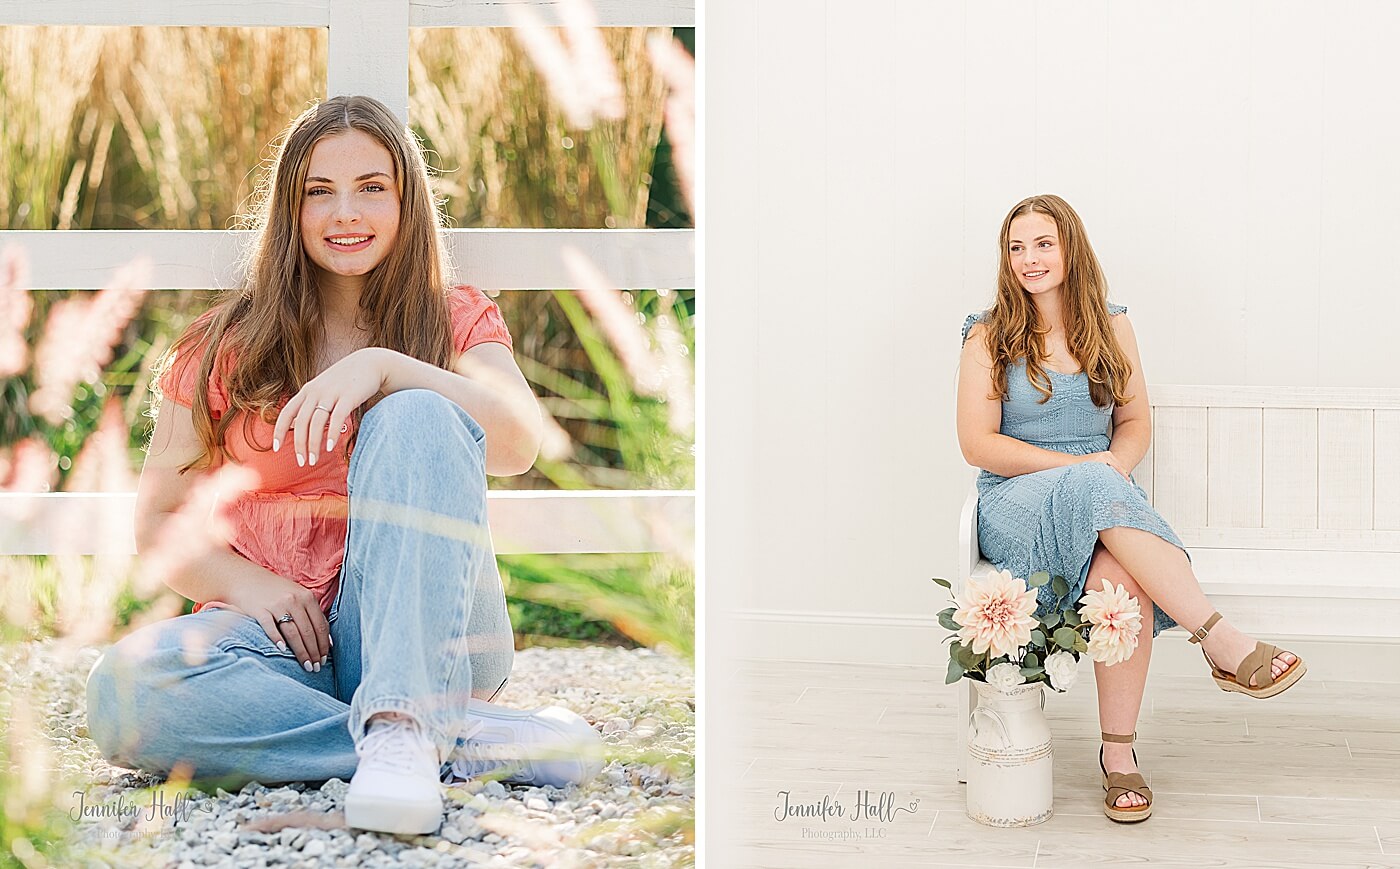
968 551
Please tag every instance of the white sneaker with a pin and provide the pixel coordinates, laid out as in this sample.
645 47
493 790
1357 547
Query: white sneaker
545 746
395 788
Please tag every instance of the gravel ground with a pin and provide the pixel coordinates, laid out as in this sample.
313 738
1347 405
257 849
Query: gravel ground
638 812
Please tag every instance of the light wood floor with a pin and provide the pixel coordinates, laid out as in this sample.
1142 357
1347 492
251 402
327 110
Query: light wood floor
1307 779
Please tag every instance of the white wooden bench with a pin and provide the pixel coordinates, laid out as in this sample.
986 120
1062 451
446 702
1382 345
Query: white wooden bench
1288 500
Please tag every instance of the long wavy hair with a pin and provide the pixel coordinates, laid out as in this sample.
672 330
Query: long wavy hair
1015 331
274 318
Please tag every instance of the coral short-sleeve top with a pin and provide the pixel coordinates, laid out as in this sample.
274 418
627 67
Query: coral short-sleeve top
294 522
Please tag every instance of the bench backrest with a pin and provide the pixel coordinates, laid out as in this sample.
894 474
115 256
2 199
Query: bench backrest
1276 467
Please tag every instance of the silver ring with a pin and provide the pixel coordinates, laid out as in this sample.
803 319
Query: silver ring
326 409
284 618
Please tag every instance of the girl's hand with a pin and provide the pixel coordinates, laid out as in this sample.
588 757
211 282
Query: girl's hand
1108 458
316 414
270 597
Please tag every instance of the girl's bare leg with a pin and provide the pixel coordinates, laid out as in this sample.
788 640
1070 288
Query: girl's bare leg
1163 571
1121 686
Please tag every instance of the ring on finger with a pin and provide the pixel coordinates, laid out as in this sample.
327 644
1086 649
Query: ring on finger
284 618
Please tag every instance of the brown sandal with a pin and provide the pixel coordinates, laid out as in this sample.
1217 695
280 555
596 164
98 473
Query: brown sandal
1257 663
1119 783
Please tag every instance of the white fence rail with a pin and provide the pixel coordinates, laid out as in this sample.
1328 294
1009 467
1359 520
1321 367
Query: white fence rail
528 521
196 259
319 13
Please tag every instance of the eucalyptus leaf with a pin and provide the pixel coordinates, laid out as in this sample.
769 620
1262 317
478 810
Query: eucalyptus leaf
1031 672
1059 586
955 672
1038 637
1039 578
943 582
1081 644
1032 660
968 658
945 619
1066 638
1050 621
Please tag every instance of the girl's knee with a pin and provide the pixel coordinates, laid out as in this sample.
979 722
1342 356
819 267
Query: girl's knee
1104 566
114 701
127 690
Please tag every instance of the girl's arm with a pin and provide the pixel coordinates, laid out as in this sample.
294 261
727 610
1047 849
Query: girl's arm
201 566
1132 422
979 420
486 383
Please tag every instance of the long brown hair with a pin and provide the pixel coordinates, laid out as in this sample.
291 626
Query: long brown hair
1014 330
274 318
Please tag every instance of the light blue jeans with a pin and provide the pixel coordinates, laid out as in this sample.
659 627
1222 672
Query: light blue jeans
419 625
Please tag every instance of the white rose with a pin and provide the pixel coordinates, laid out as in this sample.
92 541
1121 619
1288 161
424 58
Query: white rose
1004 677
1062 670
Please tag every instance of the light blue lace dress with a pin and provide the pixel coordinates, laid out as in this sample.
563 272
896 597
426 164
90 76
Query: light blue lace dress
1050 520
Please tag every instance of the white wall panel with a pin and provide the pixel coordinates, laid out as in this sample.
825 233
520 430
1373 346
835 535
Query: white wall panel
1181 472
1195 281
801 441
1072 93
1138 168
1235 460
860 179
1387 495
1345 463
927 263
1284 170
1356 223
1000 138
1290 468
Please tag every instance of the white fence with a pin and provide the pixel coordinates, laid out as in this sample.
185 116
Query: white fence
369 54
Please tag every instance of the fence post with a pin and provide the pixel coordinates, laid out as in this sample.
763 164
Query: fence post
369 51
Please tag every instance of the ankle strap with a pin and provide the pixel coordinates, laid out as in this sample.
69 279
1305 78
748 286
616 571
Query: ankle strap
1118 737
1204 630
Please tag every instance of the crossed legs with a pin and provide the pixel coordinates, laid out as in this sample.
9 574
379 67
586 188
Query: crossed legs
1152 570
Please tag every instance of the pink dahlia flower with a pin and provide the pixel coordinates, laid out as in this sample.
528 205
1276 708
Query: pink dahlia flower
996 614
1115 621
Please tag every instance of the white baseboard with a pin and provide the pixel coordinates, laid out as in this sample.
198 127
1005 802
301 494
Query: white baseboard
880 638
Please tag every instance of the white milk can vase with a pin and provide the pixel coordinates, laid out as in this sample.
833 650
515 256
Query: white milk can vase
1010 764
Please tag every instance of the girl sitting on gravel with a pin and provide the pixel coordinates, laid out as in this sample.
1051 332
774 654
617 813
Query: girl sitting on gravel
361 636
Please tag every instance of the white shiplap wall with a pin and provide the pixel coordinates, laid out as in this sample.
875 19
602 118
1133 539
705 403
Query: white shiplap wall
1233 162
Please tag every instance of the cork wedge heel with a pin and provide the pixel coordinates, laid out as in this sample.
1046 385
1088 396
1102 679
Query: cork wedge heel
1115 784
1257 665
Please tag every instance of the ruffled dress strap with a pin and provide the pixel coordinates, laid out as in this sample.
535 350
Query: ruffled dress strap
1116 309
967 324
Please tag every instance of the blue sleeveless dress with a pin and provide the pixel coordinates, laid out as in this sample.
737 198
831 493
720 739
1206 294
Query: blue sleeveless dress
1050 520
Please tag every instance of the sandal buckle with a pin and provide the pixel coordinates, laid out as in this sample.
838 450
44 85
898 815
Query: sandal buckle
1198 635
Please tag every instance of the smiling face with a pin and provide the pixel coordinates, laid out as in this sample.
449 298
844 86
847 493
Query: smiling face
349 207
1035 253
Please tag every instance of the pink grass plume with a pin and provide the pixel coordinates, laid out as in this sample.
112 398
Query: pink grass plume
581 75
199 527
16 307
79 337
677 69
